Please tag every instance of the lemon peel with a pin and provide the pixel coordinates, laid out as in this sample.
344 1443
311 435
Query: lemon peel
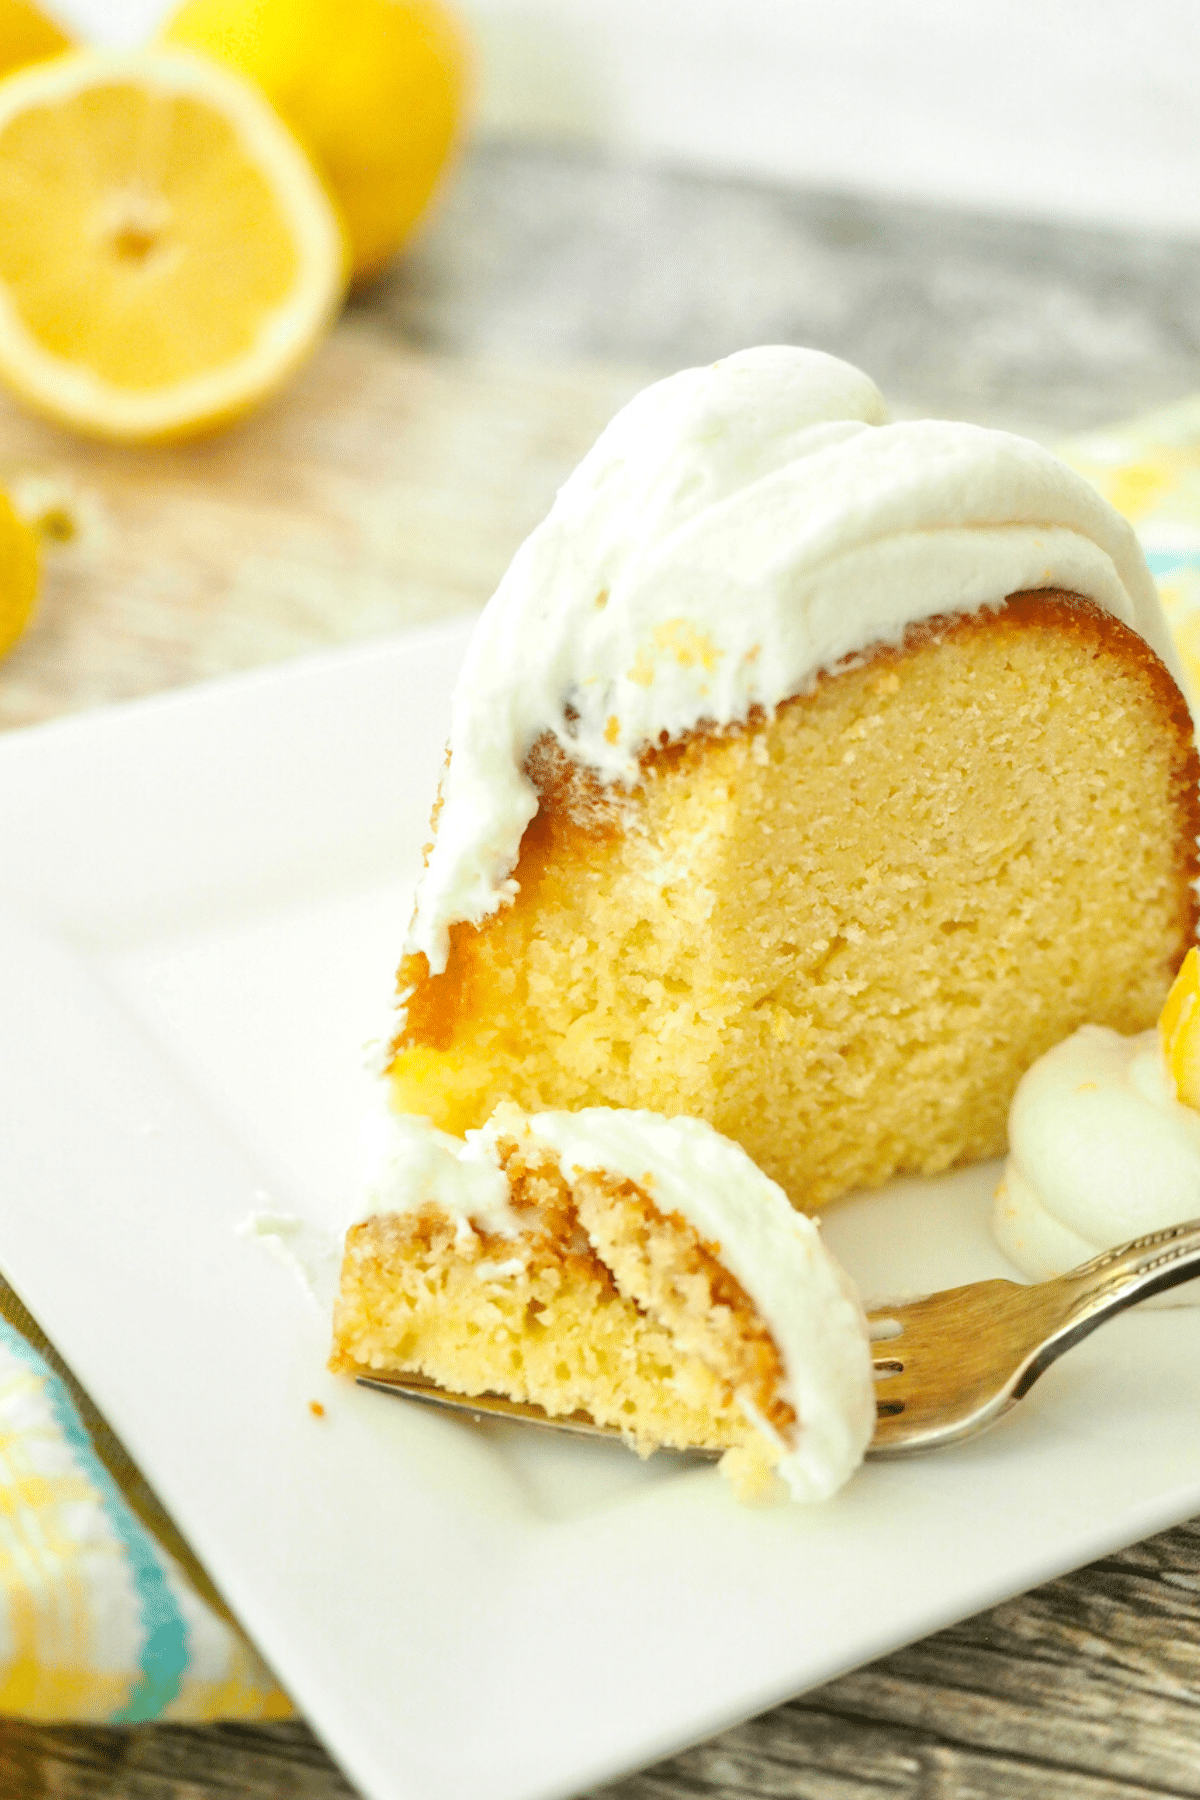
1179 1030
374 89
18 575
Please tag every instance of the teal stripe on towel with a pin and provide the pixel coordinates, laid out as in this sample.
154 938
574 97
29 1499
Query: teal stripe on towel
1169 562
165 1649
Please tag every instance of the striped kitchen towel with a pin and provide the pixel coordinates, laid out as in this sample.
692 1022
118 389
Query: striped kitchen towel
99 1620
1150 470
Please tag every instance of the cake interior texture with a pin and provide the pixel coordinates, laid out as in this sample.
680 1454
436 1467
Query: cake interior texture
599 1305
841 933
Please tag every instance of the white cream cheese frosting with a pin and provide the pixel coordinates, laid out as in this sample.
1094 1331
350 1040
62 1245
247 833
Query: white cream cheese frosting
734 531
411 1164
1100 1151
805 1299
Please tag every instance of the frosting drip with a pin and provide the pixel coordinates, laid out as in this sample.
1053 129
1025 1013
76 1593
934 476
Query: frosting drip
734 531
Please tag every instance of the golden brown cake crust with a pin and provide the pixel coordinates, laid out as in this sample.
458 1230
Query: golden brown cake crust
576 807
1124 731
669 1270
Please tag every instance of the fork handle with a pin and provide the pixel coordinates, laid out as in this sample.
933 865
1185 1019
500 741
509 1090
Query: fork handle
1146 1265
1116 1279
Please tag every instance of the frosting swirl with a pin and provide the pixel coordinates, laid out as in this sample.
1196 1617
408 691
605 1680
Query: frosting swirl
1100 1151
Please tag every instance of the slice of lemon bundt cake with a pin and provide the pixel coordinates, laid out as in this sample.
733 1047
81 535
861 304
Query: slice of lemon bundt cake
636 1268
808 774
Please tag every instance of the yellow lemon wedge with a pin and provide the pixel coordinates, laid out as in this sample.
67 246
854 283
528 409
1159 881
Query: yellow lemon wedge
167 254
1179 1030
374 90
26 35
18 575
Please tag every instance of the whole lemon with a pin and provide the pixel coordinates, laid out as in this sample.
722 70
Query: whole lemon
26 35
374 89
18 575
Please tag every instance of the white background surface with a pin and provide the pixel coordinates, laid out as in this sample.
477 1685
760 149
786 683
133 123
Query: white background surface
190 978
1079 108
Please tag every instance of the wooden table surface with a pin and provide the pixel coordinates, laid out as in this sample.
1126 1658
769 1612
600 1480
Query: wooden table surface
390 486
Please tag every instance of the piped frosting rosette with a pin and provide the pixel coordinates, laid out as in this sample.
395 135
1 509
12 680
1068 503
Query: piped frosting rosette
1101 1150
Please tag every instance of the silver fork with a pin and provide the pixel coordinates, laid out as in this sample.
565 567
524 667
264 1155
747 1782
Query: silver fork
949 1365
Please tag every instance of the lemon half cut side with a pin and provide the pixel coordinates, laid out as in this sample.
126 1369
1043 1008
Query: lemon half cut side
167 253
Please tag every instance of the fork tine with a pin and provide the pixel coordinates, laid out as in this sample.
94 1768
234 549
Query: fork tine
955 1356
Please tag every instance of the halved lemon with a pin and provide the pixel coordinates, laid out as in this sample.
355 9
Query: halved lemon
167 253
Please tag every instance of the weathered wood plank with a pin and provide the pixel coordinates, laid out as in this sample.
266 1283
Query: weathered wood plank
383 490
159 1762
1112 1652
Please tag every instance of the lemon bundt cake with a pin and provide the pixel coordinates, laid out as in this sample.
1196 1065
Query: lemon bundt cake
1104 1141
635 1268
808 774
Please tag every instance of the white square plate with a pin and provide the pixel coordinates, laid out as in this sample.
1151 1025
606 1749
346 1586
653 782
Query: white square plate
201 902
